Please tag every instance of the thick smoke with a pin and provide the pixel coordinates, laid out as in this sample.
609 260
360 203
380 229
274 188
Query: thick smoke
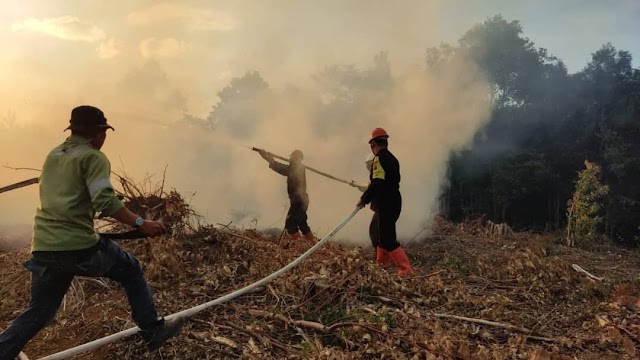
159 85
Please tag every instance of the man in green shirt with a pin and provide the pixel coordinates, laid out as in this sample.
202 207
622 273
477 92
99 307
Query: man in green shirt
74 185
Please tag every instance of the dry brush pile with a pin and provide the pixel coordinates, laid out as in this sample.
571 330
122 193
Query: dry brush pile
473 297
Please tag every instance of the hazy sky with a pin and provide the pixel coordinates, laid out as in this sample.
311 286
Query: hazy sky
569 29
46 42
146 63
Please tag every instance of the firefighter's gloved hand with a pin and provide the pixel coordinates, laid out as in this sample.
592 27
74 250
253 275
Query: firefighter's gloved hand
360 204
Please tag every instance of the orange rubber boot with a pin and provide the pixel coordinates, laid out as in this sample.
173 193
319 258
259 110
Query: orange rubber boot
382 257
401 260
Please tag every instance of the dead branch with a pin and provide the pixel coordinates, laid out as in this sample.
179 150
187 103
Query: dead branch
484 322
585 272
311 324
128 186
301 323
341 325
416 235
20 168
495 324
540 338
273 292
631 335
370 311
429 275
386 300
224 341
239 236
164 176
226 226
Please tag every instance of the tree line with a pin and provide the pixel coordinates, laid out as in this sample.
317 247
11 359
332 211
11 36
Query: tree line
522 166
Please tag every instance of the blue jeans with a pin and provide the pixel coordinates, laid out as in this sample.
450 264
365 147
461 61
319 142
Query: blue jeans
51 275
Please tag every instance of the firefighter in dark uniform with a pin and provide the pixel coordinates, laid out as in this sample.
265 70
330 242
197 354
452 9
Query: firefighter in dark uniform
384 195
296 221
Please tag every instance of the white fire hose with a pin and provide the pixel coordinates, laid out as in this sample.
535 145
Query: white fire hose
196 309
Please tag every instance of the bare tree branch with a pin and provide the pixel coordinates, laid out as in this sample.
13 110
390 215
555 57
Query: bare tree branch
19 168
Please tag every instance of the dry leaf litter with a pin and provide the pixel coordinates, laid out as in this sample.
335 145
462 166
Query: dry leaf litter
480 291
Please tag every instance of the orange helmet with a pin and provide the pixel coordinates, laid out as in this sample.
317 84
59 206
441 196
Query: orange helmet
378 133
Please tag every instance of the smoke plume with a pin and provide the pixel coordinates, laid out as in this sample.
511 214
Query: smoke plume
318 76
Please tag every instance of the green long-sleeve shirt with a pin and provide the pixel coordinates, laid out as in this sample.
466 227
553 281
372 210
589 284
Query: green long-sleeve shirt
74 185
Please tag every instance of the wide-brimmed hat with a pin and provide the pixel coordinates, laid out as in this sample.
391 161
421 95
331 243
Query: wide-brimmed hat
87 118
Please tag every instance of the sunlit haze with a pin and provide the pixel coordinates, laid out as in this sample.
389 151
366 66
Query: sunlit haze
155 68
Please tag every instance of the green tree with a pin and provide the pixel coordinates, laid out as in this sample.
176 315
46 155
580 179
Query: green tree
240 105
530 90
353 95
583 211
555 118
515 67
516 181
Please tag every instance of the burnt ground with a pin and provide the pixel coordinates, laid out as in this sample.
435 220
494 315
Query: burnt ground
339 305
